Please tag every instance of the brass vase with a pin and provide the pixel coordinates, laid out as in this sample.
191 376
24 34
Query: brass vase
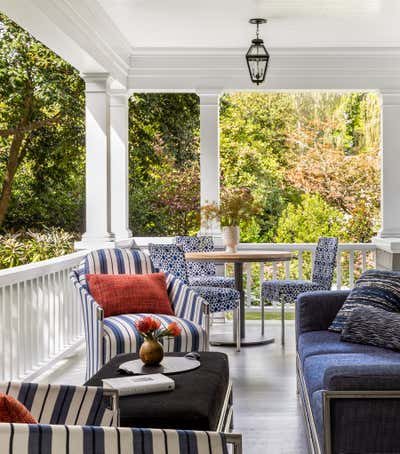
151 353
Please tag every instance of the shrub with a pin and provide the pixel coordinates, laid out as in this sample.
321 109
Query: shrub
29 246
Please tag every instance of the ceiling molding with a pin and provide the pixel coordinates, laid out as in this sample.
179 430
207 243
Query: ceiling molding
184 69
78 30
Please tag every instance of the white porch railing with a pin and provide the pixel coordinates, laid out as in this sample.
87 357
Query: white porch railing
40 318
352 260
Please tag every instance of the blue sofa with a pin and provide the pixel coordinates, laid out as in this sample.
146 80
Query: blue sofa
350 393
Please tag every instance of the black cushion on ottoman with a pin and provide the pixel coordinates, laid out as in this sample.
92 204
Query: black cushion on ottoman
196 403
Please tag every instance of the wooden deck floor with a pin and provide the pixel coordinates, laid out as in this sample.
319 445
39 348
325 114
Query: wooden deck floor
266 408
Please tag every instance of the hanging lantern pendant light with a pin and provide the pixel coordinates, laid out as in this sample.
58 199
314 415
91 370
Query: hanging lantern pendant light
257 56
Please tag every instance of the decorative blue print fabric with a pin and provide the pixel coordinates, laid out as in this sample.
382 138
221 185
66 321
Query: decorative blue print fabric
171 258
287 291
373 326
374 288
202 274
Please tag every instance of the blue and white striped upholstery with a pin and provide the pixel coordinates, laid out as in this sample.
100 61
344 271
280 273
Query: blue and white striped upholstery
170 258
121 335
202 274
287 291
60 439
64 404
118 333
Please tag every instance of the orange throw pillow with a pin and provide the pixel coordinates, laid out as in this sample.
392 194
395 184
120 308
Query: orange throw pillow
11 410
130 293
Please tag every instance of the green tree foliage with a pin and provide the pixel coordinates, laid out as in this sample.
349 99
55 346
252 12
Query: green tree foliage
164 164
310 160
307 221
41 134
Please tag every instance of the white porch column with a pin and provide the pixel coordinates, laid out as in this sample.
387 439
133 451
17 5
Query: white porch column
98 217
209 153
119 153
388 240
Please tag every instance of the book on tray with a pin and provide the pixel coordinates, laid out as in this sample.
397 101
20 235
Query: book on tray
140 384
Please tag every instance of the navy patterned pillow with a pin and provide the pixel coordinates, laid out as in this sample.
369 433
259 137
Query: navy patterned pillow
374 288
373 326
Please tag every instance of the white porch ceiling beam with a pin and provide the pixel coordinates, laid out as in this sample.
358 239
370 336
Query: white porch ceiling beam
77 30
184 69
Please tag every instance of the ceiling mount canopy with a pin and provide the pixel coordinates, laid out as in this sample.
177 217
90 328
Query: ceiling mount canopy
257 56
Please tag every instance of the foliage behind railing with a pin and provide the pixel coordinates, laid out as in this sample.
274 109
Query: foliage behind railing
21 248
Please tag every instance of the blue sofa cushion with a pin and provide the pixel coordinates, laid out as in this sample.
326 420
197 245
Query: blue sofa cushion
373 326
374 288
352 371
323 342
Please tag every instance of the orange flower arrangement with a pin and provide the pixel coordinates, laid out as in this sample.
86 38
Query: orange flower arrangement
150 329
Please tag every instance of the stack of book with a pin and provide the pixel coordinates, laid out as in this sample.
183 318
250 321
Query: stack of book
140 384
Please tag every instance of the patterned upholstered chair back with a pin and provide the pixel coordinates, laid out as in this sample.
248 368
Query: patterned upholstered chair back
325 261
115 261
197 244
170 258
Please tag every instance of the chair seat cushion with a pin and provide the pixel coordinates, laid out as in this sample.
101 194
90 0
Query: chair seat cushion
374 288
121 335
130 293
219 299
212 281
287 290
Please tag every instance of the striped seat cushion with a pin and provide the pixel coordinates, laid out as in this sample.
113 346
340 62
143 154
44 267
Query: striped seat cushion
29 439
114 261
121 335
63 404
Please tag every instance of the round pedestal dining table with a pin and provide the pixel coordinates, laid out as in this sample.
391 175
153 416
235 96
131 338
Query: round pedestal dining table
238 259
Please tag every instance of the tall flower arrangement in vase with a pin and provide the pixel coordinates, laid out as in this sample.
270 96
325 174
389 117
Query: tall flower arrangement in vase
236 205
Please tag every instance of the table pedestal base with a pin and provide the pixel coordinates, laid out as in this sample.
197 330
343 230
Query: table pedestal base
249 341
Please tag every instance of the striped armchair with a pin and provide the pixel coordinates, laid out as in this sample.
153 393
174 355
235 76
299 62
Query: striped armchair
110 336
83 420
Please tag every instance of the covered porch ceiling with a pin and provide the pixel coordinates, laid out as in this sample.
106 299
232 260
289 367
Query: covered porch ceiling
176 45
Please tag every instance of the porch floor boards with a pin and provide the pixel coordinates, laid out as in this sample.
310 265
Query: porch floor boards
266 409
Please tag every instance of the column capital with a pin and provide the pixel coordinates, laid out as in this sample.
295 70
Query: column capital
119 97
390 97
209 97
96 82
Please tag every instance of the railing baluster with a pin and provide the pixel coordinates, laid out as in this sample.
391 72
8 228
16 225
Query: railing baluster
351 269
262 277
3 336
248 284
339 271
287 270
300 264
274 270
312 262
364 260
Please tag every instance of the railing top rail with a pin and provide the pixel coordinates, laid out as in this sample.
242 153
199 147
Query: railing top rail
305 246
34 270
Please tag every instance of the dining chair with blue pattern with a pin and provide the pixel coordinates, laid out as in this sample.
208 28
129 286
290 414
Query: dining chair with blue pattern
287 291
202 273
171 258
